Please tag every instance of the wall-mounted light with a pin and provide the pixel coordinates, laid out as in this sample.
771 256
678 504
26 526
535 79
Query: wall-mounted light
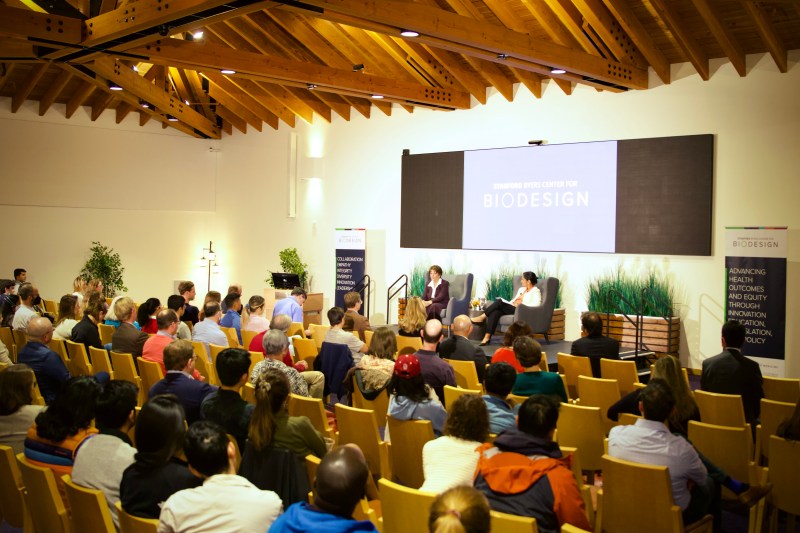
409 33
209 257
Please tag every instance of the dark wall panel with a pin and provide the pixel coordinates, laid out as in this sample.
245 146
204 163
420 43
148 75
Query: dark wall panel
432 205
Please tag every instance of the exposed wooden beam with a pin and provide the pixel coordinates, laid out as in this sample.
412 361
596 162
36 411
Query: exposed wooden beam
683 37
768 35
364 107
100 104
16 49
233 105
122 111
53 91
298 29
338 104
27 24
609 30
567 14
640 37
272 104
193 84
494 76
319 107
449 61
230 90
231 117
723 35
107 6
6 70
297 106
30 82
385 107
79 97
403 59
530 80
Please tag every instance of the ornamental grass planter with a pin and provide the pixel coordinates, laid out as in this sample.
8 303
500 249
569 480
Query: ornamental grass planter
657 333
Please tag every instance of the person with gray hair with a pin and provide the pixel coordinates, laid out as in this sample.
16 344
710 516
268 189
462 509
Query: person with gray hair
275 347
314 380
51 373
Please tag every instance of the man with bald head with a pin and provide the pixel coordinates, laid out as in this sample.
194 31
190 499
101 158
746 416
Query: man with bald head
435 372
340 484
459 347
51 373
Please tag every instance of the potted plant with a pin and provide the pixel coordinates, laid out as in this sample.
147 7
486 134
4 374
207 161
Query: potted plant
291 263
104 264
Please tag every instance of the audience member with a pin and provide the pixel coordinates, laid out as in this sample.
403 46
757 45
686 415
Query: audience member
524 473
377 365
436 294
435 372
460 510
20 277
16 410
154 346
178 304
85 332
27 293
8 308
336 335
500 378
187 290
340 484
127 338
275 347
226 406
450 461
5 356
156 473
211 296
505 353
79 287
231 319
410 398
730 372
413 319
69 310
253 319
51 373
532 380
458 346
594 344
111 317
102 459
93 285
225 501
179 361
233 288
146 315
207 331
352 304
315 380
292 306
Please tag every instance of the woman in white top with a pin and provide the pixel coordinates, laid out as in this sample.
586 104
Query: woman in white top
450 461
253 317
528 295
16 412
69 311
79 286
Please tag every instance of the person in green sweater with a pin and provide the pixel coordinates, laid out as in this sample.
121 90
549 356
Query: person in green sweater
532 380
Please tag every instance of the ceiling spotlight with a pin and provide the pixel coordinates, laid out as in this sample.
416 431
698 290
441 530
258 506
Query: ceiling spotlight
171 118
377 97
409 33
144 104
311 86
135 68
198 34
358 68
186 102
227 71
502 56
556 70
114 87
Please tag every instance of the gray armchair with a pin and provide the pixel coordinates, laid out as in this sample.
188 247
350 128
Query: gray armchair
539 317
460 295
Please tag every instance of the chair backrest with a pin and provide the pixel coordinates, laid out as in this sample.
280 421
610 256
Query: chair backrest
782 389
249 393
772 414
573 366
623 371
627 419
133 524
233 338
784 456
516 399
318 334
305 350
312 408
100 360
729 448
214 351
106 331
542 316
599 392
368 336
12 504
408 344
380 405
466 374
247 338
20 338
41 495
296 328
203 366
720 409
312 465
278 470
8 339
255 358
88 509
50 306
58 346
509 523
451 394
150 371
636 497
582 427
188 324
460 295
79 359
125 368
404 509
408 437
359 426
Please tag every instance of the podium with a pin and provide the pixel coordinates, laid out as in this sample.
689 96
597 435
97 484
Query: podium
312 309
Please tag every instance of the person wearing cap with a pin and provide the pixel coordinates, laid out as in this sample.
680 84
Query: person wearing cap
436 372
410 398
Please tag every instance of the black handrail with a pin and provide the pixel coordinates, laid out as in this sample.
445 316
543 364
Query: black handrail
390 294
635 323
363 287
668 318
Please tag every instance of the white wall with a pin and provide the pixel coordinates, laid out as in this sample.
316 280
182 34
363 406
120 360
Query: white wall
755 120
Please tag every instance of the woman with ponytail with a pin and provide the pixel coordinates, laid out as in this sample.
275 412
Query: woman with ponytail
460 510
253 315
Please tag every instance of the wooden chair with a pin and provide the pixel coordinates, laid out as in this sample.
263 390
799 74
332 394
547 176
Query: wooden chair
38 399
318 334
359 426
577 473
404 509
581 427
466 374
312 465
784 458
516 399
125 368
509 523
233 338
150 372
731 449
133 524
237 453
12 503
408 344
100 360
79 359
782 389
7 337
247 338
599 392
772 414
569 528
255 358
50 306
451 394
202 365
106 332
720 409
41 494
380 405
305 350
573 366
296 328
58 346
638 497
314 409
20 339
188 324
627 419
368 336
405 453
215 350
249 393
623 371
88 509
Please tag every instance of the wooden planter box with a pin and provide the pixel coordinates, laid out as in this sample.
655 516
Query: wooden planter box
656 333
557 325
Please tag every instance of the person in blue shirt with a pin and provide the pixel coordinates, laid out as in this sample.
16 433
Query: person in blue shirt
292 306
231 318
498 381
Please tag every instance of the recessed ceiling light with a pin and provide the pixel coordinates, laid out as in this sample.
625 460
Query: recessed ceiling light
311 86
409 33
171 118
556 70
198 34
377 96
227 71
114 87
